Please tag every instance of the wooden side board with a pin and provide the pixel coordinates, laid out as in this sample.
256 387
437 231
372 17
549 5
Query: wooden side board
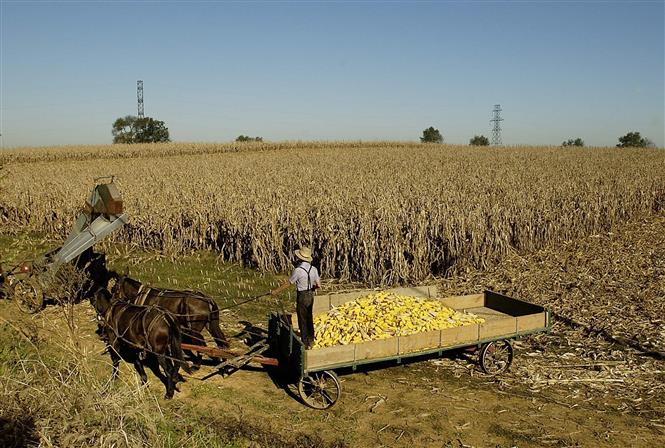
498 327
415 291
382 348
337 354
463 302
321 304
418 342
460 335
531 322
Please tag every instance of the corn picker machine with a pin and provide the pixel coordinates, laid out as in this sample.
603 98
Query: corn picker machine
31 284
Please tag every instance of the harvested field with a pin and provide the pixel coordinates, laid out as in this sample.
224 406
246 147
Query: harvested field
580 231
573 387
607 294
378 213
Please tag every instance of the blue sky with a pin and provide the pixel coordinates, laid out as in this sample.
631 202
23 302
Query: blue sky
333 70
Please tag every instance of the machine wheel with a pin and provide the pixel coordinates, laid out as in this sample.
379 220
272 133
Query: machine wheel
320 390
28 295
496 357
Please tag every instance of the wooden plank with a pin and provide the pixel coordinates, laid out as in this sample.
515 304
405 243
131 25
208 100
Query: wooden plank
486 313
419 341
319 357
321 304
498 327
531 322
460 335
412 291
376 349
463 302
337 299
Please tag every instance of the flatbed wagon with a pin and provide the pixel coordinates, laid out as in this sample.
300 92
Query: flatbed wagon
313 370
506 319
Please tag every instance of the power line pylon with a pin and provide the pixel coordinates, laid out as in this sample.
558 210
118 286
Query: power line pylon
496 129
139 97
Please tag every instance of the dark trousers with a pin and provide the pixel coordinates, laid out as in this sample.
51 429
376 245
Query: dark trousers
304 302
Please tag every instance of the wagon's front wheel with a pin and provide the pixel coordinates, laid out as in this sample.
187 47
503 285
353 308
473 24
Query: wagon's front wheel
28 295
320 390
496 357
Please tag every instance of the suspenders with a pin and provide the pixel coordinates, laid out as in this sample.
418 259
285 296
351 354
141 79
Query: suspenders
309 281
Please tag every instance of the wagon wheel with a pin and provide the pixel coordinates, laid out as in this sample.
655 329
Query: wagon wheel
496 357
320 390
28 295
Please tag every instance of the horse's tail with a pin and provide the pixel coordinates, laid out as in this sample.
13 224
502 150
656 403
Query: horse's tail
213 325
175 343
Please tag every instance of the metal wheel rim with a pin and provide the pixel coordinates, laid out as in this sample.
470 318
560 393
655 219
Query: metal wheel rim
496 357
320 390
28 296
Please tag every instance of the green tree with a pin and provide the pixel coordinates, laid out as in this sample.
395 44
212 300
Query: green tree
132 129
247 138
431 135
576 142
633 140
479 140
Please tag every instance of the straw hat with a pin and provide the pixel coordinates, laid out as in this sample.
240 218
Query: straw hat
304 254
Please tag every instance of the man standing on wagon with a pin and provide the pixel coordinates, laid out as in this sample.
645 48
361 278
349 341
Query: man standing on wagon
307 280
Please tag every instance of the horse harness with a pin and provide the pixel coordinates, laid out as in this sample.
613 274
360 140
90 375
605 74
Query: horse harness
143 294
111 320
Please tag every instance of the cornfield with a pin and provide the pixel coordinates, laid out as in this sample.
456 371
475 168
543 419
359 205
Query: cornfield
378 213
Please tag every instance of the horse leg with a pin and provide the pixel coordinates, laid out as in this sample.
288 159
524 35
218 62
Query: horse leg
138 365
115 359
153 365
216 331
168 368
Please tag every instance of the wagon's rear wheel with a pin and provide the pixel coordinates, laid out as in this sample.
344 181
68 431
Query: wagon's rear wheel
496 357
320 390
28 295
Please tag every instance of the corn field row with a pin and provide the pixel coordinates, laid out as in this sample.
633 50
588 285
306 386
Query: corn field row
375 213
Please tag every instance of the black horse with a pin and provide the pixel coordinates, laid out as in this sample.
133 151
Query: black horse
141 335
192 309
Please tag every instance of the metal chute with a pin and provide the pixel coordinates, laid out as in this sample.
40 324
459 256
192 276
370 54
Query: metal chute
102 214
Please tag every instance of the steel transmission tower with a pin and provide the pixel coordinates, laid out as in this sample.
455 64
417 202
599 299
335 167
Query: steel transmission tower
496 129
139 97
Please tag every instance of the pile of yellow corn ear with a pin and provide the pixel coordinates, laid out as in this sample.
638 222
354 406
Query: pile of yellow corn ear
384 315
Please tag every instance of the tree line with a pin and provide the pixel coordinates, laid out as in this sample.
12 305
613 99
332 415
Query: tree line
131 129
630 140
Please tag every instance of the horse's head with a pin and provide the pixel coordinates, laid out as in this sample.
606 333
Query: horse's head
124 288
102 300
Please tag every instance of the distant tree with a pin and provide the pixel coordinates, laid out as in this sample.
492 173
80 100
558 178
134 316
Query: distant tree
431 135
247 138
633 140
571 142
132 129
479 140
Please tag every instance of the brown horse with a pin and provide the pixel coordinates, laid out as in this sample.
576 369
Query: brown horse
192 309
141 335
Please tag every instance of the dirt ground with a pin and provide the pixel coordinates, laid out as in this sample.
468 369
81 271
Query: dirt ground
573 387
436 403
